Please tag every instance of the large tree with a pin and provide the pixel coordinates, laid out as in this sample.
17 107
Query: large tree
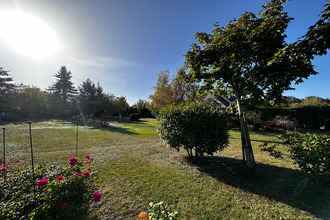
32 101
63 91
241 59
87 97
6 89
169 91
163 94
93 100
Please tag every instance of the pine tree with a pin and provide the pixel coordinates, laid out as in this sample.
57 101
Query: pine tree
63 92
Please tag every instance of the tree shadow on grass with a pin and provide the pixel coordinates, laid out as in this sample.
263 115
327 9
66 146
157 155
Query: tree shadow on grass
275 183
114 129
89 123
263 141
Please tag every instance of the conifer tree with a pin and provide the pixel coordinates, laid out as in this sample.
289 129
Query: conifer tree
63 92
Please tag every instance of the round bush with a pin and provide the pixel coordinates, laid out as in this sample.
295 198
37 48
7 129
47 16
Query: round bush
194 127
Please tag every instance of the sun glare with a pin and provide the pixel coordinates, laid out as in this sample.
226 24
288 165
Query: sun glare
28 34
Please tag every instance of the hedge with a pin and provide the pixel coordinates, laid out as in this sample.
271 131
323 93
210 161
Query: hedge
308 117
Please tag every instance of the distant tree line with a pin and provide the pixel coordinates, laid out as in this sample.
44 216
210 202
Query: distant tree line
293 102
61 99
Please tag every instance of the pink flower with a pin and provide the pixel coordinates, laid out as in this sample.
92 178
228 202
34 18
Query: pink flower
92 159
64 205
95 184
42 182
75 175
59 177
72 161
88 168
88 162
87 157
86 174
3 169
96 196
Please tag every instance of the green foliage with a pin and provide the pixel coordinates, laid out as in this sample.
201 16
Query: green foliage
92 100
194 127
66 195
158 211
311 152
233 61
314 101
122 105
173 91
6 90
63 92
233 58
33 101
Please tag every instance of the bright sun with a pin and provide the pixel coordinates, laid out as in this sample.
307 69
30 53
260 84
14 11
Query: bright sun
28 34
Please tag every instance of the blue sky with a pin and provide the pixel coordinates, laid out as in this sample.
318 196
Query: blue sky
124 44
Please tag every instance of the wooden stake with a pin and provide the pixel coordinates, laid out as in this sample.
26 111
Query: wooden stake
34 181
77 140
4 146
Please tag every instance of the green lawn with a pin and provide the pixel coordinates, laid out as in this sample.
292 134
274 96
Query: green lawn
137 168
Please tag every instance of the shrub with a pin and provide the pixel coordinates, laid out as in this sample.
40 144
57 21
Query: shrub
159 211
280 123
194 127
327 125
61 192
135 117
311 152
233 122
253 120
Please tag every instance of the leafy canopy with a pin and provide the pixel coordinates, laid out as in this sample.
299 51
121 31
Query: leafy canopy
241 58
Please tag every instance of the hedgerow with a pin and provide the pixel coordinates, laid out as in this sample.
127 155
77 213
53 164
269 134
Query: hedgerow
59 191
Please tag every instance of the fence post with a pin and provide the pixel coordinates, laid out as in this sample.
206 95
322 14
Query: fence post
77 139
34 181
4 146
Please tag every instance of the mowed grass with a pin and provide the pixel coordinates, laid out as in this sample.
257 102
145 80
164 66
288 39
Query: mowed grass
137 168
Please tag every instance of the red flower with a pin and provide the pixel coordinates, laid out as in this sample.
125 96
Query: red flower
87 157
92 159
75 175
96 196
88 162
59 177
3 169
42 182
86 174
72 161
64 205
88 168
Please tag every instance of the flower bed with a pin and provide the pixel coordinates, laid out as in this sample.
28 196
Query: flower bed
59 191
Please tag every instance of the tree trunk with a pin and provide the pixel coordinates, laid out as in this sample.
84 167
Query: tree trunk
247 151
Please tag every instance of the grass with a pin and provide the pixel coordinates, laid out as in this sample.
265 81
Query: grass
137 168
